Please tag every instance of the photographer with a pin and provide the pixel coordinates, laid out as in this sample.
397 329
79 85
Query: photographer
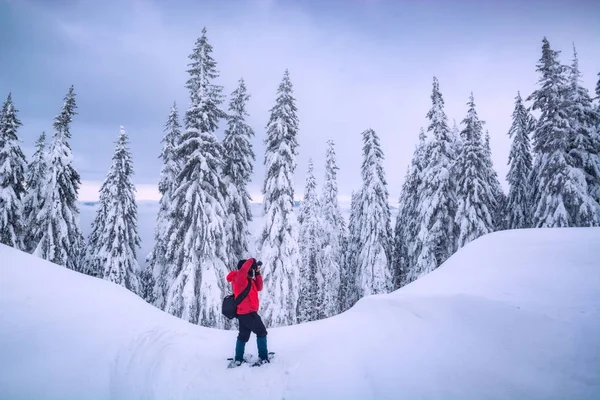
248 273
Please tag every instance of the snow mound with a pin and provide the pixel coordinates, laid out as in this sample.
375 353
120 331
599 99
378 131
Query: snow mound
515 314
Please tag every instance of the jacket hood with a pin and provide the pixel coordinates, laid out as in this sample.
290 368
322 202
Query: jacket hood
230 276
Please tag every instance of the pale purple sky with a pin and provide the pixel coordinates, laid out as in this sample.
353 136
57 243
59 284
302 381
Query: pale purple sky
355 64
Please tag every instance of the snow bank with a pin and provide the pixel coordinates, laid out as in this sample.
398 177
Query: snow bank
515 314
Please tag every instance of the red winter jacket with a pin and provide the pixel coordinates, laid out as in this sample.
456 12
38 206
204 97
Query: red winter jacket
239 279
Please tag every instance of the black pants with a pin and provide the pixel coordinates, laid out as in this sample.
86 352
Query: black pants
250 323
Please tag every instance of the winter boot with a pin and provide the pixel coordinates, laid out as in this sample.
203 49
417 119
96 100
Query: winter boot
239 351
261 343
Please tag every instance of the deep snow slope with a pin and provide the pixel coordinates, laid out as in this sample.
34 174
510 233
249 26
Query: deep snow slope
513 315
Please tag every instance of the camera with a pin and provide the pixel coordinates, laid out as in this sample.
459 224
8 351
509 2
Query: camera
253 268
256 265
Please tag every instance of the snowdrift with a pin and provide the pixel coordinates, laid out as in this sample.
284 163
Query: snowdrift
514 314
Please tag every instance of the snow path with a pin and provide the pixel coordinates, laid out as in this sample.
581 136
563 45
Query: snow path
514 314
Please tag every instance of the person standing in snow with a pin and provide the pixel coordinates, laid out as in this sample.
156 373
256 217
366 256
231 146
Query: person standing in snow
248 273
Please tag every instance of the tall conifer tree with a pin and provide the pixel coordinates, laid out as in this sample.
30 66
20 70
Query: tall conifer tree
113 250
374 261
12 177
498 202
474 192
334 229
438 231
57 223
157 278
36 173
238 168
406 247
584 136
311 297
348 288
278 244
520 161
196 233
559 193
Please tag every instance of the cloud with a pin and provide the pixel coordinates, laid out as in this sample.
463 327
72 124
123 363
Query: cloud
354 65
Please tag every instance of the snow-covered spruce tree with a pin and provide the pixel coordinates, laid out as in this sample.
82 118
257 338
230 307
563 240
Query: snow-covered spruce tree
517 211
348 292
498 203
310 242
92 263
400 263
57 223
36 173
196 232
278 244
584 136
373 274
238 168
406 248
438 231
334 230
517 208
12 177
114 250
559 191
474 193
157 273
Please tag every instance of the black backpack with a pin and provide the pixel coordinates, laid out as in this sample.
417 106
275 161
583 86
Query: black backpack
230 303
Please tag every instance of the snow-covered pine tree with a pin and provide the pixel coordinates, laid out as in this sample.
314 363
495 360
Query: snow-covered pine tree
114 250
92 263
438 231
584 137
374 261
278 244
400 262
36 173
474 193
310 241
57 223
348 292
406 247
196 232
334 230
239 160
498 203
559 191
12 177
157 273
517 214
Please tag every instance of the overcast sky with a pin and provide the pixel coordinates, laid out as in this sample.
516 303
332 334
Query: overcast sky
355 64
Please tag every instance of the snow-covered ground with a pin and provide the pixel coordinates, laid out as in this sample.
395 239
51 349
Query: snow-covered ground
513 315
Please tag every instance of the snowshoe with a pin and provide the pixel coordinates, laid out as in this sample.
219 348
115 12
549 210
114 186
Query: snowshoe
234 364
264 360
